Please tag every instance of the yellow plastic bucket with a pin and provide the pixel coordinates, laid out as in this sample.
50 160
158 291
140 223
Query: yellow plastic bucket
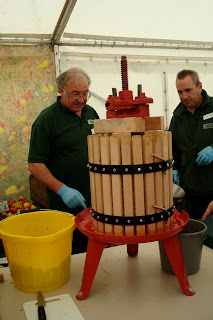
38 246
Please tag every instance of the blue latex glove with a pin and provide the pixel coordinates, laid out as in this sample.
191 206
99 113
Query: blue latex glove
205 156
176 176
71 197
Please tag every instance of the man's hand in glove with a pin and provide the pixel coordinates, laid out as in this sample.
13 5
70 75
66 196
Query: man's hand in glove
71 197
176 176
205 156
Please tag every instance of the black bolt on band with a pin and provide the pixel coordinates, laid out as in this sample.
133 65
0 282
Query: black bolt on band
131 169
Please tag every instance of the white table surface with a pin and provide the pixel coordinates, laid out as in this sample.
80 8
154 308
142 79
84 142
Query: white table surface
127 288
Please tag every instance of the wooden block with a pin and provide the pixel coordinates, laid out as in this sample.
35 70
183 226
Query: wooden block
98 179
137 158
127 182
147 146
117 193
154 123
106 181
92 179
153 131
133 124
158 178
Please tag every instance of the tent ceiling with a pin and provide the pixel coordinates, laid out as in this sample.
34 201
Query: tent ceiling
29 16
154 23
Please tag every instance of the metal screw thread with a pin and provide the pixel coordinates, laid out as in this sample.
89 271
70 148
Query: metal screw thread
124 75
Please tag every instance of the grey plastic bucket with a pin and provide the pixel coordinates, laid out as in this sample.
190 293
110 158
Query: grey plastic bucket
191 242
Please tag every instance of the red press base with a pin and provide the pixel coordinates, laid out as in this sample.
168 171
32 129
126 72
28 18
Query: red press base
97 242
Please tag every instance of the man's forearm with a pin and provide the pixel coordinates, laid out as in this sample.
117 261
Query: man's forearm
43 174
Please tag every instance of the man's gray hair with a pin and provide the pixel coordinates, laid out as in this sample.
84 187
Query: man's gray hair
193 74
74 73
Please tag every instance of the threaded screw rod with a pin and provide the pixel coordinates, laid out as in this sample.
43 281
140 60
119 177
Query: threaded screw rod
124 75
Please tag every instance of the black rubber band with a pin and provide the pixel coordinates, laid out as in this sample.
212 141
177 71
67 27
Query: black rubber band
131 169
133 221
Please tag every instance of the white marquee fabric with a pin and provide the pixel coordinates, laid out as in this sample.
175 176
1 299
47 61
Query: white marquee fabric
179 35
180 20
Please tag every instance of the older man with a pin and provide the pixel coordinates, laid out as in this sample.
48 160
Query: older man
58 147
192 128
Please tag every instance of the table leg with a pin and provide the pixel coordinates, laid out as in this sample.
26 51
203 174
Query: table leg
93 256
174 253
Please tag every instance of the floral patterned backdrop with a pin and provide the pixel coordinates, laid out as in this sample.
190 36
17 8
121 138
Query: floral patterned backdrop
27 86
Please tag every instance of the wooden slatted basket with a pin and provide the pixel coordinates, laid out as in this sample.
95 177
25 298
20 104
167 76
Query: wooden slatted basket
125 142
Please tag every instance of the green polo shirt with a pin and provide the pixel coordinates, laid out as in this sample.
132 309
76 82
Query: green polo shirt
59 140
193 120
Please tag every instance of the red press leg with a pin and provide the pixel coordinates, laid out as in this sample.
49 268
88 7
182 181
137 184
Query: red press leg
174 253
132 249
93 256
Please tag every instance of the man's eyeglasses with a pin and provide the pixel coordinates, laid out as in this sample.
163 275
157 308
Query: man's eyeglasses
77 95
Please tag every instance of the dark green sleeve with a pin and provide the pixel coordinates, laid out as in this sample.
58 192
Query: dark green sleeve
41 142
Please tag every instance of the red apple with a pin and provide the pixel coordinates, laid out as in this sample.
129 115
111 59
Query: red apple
4 213
10 203
13 209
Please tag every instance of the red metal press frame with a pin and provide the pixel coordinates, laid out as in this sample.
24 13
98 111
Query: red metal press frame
97 242
120 107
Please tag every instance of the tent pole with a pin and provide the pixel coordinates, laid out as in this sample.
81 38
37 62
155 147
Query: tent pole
57 61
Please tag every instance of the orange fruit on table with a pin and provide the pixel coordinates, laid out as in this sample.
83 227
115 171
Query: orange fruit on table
22 198
27 205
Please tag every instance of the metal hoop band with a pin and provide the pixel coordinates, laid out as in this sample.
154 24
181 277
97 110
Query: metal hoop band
133 221
131 169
